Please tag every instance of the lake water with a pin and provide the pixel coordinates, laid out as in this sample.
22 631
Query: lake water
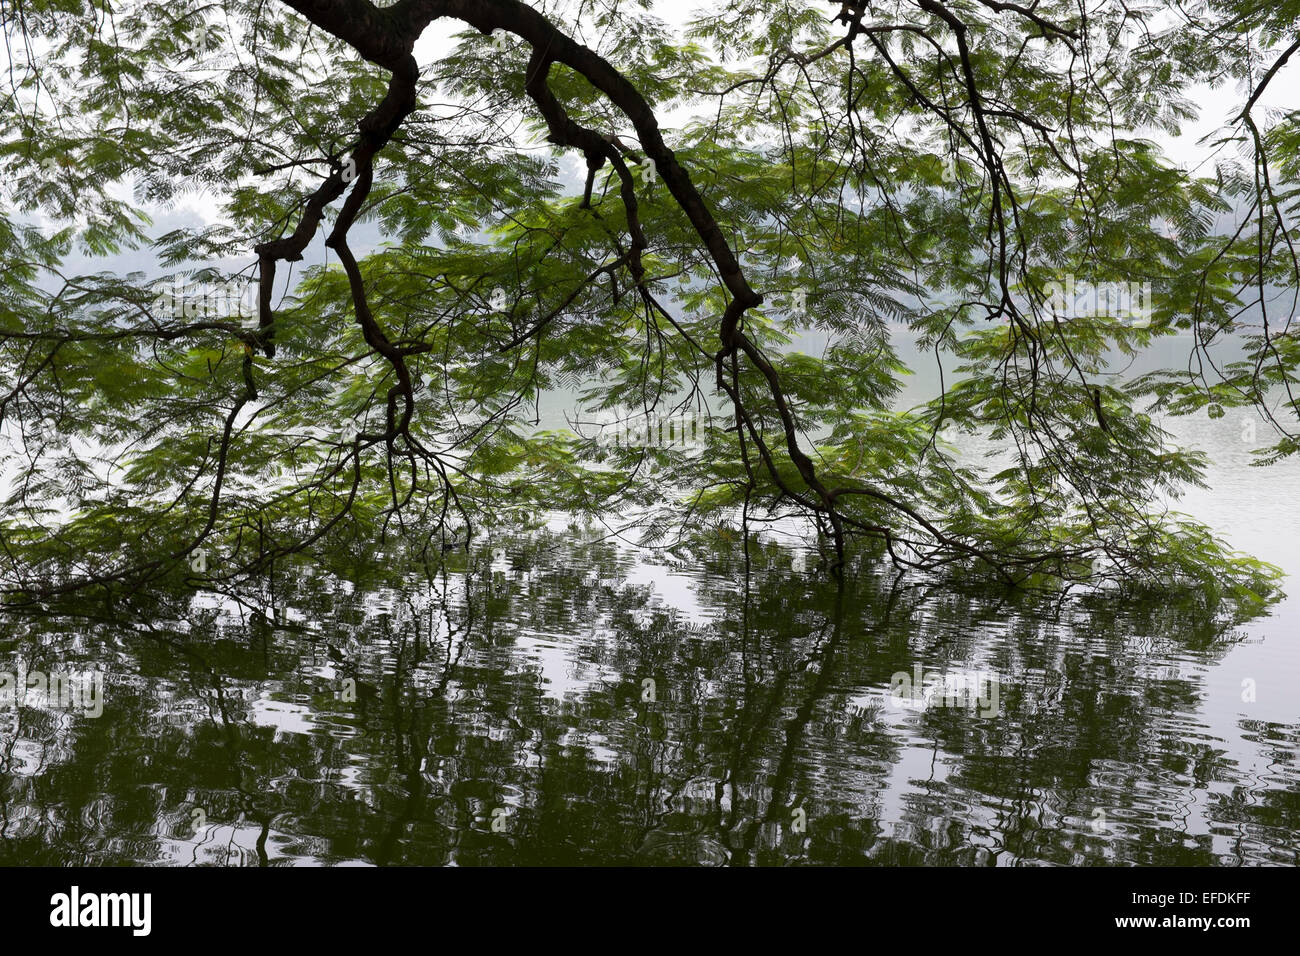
568 700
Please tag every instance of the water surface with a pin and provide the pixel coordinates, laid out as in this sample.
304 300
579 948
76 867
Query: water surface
570 700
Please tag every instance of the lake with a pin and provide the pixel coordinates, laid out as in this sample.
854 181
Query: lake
563 698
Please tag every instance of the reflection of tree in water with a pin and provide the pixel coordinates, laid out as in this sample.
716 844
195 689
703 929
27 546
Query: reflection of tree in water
399 726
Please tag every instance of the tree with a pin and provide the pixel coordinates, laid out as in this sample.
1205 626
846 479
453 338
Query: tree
974 169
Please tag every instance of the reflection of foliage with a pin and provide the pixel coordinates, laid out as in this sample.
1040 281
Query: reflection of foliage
522 691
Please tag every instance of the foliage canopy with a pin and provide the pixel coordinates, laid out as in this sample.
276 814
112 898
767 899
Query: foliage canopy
577 196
